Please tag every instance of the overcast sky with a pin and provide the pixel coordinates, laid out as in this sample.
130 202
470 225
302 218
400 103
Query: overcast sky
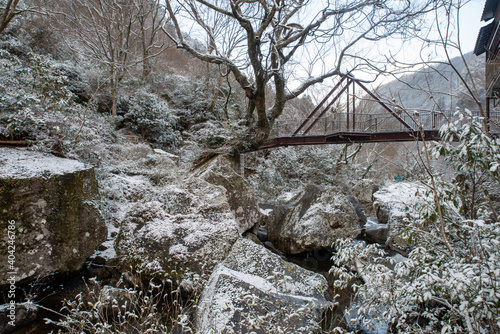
470 23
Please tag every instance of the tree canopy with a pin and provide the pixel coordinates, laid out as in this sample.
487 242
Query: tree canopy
289 45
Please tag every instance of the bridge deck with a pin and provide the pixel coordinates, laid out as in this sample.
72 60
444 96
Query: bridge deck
350 137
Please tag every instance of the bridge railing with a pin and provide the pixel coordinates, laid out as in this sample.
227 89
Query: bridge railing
373 123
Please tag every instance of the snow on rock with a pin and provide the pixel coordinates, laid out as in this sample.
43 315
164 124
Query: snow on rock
186 234
240 195
18 163
186 228
51 211
316 220
364 190
393 204
254 290
376 233
162 152
123 187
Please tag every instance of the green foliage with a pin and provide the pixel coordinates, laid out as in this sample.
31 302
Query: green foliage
28 92
149 116
39 85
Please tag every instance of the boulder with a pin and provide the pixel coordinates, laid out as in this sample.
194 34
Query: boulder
161 238
50 221
16 315
376 233
256 291
221 171
316 220
395 205
359 210
364 190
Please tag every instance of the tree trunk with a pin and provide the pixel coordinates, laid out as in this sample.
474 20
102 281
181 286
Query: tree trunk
114 88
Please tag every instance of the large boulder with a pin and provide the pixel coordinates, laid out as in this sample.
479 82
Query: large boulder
364 190
50 220
256 291
316 220
375 233
221 171
395 205
181 234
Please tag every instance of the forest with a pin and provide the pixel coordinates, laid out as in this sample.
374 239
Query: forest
135 196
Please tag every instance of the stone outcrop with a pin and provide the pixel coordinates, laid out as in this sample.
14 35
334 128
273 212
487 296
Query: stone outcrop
183 248
376 233
364 190
359 210
50 220
316 220
240 195
256 291
184 231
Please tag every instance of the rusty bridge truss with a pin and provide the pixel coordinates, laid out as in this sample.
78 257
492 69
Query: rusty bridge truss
325 125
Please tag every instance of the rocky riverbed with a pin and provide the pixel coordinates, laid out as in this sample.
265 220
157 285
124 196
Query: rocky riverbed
199 233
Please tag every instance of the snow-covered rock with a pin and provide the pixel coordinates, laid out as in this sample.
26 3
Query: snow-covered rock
240 195
364 190
394 205
316 220
50 219
375 232
256 291
180 233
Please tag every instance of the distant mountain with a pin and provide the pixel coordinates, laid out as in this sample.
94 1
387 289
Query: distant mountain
437 86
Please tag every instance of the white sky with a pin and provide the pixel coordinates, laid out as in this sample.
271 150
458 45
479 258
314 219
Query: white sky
469 28
470 23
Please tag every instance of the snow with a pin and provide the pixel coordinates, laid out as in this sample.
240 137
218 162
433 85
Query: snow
266 212
21 163
162 152
266 286
244 280
400 196
288 196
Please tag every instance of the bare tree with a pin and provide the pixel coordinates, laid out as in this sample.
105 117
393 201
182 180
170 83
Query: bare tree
9 9
150 18
442 54
117 34
270 46
104 30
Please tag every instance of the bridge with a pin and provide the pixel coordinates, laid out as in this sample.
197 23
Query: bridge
349 126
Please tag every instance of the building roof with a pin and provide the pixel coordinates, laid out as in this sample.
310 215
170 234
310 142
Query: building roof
490 7
483 38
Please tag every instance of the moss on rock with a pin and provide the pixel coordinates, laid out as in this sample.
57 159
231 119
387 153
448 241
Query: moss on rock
54 218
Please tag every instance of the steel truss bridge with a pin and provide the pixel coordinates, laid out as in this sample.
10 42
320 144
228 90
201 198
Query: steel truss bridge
349 126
